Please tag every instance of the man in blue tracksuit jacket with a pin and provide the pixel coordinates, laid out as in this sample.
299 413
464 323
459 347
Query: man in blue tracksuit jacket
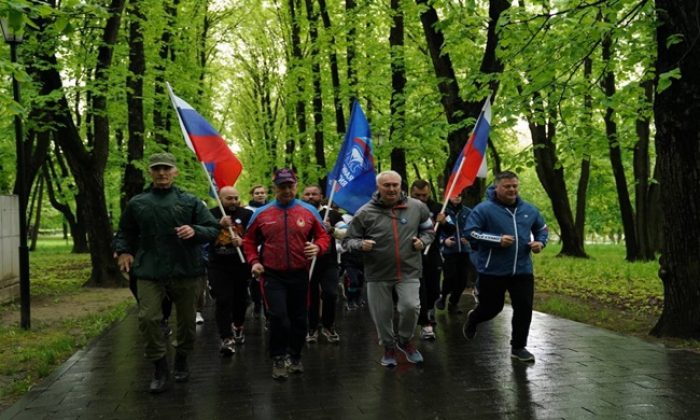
505 230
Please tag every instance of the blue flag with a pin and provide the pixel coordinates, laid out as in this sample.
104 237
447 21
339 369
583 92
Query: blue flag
353 173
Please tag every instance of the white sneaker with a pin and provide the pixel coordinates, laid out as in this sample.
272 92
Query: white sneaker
427 333
228 347
199 319
312 336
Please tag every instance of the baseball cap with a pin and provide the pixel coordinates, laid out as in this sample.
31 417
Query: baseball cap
284 175
164 159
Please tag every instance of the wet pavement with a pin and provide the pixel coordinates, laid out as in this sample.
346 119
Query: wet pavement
581 372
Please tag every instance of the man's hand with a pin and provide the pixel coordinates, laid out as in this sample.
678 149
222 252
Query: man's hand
225 221
184 231
257 269
125 261
536 246
450 242
440 218
507 240
418 245
367 245
311 250
237 241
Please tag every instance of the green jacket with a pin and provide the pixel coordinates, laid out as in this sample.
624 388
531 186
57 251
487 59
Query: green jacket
147 231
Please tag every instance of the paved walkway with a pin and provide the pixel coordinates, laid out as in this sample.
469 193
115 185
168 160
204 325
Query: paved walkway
581 372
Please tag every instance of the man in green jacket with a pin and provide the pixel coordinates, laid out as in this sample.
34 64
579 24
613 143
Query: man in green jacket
159 241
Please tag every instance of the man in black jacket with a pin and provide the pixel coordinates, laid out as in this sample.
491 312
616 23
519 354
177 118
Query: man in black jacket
159 241
432 265
228 275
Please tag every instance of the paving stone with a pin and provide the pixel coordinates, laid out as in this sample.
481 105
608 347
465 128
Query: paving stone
581 372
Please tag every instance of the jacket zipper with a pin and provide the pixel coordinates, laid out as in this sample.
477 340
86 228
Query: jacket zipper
515 228
395 228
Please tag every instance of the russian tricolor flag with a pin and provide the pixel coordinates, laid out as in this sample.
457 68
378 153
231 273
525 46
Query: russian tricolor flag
471 163
211 149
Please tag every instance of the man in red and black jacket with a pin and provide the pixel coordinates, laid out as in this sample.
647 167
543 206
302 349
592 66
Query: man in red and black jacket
290 233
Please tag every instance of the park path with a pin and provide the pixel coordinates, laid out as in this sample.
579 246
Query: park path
581 372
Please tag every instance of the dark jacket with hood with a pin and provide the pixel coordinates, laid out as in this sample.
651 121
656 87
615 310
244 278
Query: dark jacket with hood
147 231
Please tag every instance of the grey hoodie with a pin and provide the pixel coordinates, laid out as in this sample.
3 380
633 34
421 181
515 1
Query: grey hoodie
393 228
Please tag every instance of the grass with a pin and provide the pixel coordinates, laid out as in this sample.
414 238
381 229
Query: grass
28 356
603 290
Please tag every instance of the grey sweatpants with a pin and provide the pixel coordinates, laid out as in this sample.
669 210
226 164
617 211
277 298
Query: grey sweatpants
381 307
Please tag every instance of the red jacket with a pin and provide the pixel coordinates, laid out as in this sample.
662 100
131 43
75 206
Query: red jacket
277 235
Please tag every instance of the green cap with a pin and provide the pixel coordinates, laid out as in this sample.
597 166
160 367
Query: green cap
165 159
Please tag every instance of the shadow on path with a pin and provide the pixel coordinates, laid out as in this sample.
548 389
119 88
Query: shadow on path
581 372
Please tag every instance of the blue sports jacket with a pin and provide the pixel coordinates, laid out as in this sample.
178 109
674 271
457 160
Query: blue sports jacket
454 227
491 219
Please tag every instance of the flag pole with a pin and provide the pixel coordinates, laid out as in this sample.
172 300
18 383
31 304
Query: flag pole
459 170
211 183
325 219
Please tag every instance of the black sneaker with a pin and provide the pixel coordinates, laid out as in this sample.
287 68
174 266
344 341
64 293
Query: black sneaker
182 371
294 365
440 303
523 355
469 328
160 376
279 368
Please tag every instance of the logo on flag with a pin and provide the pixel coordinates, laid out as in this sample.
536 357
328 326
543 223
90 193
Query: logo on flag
353 176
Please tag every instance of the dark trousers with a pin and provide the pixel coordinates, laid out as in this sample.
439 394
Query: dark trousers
323 287
429 290
255 294
492 294
286 299
354 279
229 289
457 270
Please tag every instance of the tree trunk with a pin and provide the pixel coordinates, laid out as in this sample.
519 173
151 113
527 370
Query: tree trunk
398 91
551 174
37 218
133 176
299 83
317 101
77 230
86 166
335 74
585 173
161 107
456 110
642 174
350 11
677 118
623 197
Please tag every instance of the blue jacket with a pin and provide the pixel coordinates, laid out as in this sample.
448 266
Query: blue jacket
491 219
455 228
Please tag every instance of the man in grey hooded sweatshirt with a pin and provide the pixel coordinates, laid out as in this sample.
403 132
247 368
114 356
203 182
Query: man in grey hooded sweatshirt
391 231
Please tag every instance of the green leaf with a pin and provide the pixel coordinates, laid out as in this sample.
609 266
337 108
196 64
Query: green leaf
665 79
673 40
